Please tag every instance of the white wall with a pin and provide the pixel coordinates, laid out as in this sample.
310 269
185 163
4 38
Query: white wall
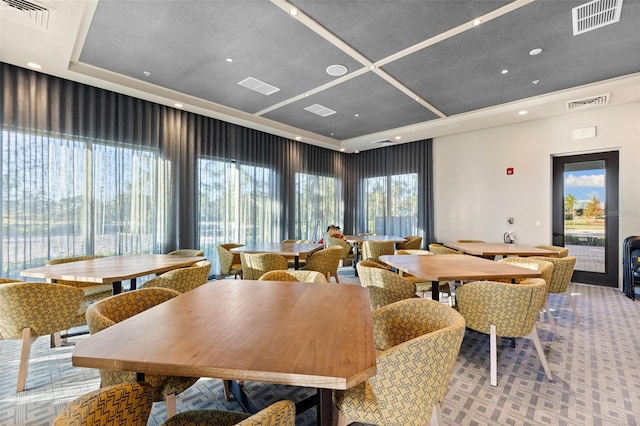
474 195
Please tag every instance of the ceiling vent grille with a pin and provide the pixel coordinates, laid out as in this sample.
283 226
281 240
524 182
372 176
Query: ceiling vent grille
30 11
588 102
595 14
258 86
322 111
383 142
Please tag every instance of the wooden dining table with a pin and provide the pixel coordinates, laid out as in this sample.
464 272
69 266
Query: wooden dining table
299 334
113 269
356 240
500 249
285 249
455 267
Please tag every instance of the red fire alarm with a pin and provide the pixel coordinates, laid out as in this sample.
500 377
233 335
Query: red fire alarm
509 170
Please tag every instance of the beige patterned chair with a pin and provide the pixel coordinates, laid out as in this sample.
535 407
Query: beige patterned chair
230 263
423 288
503 310
30 310
561 278
420 252
347 254
562 251
281 413
186 252
413 243
92 291
302 258
372 250
436 248
385 287
124 404
254 265
108 312
325 261
182 279
295 276
417 342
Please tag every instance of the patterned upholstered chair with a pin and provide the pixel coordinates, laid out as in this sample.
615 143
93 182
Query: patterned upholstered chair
124 404
186 252
92 291
503 310
347 254
295 276
281 413
291 259
230 263
562 251
385 287
325 261
417 342
372 250
436 248
182 279
115 309
29 310
413 243
423 288
420 252
561 278
254 265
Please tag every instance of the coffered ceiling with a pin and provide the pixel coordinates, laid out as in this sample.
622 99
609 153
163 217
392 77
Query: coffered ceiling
413 69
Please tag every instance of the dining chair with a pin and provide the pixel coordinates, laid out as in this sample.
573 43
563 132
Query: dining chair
385 287
413 243
302 258
347 253
92 291
562 251
503 310
182 279
186 253
326 261
417 343
110 311
420 252
281 413
423 288
295 276
30 310
254 265
372 250
561 278
126 404
436 248
230 263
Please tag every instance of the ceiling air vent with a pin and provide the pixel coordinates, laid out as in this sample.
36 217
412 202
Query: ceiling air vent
382 142
27 11
322 111
595 14
588 102
258 86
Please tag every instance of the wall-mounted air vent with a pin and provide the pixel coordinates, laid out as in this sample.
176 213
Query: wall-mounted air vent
27 12
258 86
322 111
595 14
588 102
382 142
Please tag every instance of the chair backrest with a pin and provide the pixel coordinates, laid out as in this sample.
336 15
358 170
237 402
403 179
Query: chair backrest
42 307
282 413
512 308
385 287
562 251
302 276
372 250
61 260
186 252
418 342
182 279
413 243
278 276
226 258
325 260
254 265
436 248
545 268
420 252
122 404
562 272
346 247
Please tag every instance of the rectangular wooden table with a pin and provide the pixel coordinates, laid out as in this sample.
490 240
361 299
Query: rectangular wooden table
455 267
285 249
298 334
112 269
500 249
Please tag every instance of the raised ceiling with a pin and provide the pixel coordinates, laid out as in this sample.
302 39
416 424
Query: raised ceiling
412 65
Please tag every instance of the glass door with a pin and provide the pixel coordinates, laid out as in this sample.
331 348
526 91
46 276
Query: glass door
585 214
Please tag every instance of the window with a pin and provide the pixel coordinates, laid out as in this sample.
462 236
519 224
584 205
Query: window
391 204
319 202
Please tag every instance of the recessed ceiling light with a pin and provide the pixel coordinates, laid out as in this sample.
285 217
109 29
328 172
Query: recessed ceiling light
336 70
229 60
146 73
356 151
523 112
504 71
535 82
343 149
178 105
535 51
398 138
476 22
298 138
293 11
357 115
372 67
34 65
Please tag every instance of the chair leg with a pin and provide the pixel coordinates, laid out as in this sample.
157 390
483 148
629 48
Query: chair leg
543 359
573 306
551 320
494 355
336 277
27 341
56 340
225 390
436 415
340 419
170 400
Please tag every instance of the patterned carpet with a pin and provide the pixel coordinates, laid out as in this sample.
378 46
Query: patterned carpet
594 364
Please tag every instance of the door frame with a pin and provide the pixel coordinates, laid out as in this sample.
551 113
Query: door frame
612 169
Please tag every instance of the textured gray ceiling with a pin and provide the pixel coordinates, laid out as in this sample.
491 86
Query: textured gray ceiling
184 44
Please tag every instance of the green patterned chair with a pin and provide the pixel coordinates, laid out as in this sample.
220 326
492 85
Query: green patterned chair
413 243
30 310
115 309
295 276
347 254
281 413
385 287
92 291
254 265
325 261
124 404
417 342
182 279
503 310
372 250
561 278
186 253
230 263
562 251
423 288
